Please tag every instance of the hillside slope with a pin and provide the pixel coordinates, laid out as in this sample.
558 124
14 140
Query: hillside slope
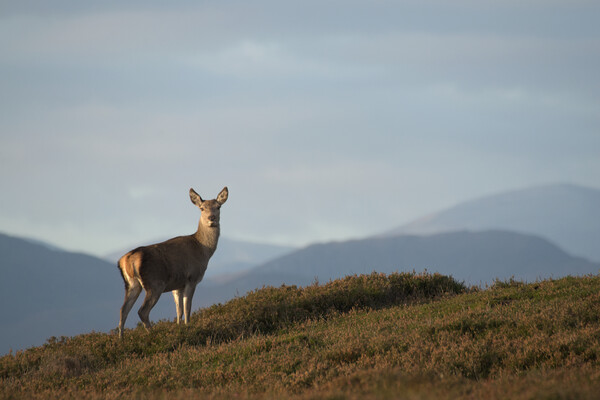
71 293
372 336
473 257
568 215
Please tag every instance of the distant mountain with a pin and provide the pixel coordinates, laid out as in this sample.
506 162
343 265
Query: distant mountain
473 257
231 257
235 256
48 292
567 215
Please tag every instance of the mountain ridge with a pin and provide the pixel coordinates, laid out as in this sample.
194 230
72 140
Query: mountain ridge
478 258
566 214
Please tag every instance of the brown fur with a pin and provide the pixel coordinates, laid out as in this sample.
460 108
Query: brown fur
176 265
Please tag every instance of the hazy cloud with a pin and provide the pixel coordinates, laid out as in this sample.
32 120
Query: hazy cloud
326 120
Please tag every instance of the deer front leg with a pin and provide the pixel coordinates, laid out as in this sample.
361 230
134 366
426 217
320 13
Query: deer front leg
178 297
188 293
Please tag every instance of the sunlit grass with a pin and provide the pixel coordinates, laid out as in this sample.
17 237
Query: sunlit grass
373 336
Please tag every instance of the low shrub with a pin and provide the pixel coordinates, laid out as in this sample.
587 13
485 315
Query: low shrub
367 336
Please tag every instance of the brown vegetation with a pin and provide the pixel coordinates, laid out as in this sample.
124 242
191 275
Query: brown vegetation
376 336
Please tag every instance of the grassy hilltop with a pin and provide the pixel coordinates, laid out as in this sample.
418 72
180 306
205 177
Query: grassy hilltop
413 336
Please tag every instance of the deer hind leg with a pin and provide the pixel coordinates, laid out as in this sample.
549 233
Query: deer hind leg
131 294
178 297
188 293
150 300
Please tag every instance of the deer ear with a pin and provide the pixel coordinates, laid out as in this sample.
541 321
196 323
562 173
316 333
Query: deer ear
222 197
195 197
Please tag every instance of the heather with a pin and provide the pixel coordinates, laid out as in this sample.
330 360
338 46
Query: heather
402 335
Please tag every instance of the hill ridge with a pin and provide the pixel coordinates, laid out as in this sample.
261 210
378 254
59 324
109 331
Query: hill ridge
460 254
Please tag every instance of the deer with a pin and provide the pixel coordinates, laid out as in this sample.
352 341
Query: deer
176 265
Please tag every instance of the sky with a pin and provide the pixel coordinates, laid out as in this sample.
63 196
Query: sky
327 120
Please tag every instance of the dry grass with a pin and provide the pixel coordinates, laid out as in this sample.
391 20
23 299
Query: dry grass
397 336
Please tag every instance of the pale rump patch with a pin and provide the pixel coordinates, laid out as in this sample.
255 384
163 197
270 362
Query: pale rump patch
128 264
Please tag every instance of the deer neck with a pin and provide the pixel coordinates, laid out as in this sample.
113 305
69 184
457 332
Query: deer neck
208 237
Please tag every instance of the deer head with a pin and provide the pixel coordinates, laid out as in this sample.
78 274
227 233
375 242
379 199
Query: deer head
210 209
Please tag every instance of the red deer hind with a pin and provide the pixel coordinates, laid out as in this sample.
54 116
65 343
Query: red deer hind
176 265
